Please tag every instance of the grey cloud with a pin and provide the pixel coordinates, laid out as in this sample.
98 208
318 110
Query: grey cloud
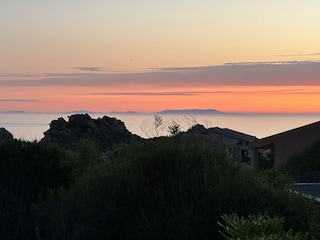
230 74
18 100
261 73
163 93
191 93
299 55
91 69
147 93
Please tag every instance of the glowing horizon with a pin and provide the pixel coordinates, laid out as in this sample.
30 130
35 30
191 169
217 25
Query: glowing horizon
233 56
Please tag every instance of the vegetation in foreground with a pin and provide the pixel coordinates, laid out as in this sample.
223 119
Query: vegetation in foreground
165 188
306 164
256 227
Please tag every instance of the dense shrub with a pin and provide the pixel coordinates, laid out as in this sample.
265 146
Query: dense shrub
169 188
305 161
256 227
27 170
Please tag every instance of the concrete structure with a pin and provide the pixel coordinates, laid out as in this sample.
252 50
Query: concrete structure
285 144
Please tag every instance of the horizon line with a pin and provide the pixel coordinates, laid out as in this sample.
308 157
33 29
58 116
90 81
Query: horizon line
217 112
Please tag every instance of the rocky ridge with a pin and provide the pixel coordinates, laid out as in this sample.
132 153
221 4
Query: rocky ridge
105 132
5 135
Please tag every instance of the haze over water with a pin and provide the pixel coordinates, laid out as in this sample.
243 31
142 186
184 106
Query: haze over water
31 126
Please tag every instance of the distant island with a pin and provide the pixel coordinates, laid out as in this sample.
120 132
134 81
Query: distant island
167 111
126 112
80 112
192 111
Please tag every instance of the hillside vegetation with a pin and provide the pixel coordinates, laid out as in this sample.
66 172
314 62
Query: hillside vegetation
163 188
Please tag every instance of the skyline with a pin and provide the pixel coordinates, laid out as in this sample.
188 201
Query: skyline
146 56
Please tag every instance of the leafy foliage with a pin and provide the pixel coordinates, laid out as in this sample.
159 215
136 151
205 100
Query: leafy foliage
256 227
305 161
170 188
266 162
27 169
164 188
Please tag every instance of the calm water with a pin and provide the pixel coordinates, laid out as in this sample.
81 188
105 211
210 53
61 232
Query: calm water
31 126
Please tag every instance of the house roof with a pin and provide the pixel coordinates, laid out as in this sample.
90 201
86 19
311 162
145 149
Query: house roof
271 139
232 134
226 132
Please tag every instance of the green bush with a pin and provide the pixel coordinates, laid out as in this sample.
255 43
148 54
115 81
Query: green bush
256 227
169 188
27 170
165 188
305 161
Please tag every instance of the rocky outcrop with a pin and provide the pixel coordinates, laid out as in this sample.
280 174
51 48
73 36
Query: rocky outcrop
105 132
200 133
5 135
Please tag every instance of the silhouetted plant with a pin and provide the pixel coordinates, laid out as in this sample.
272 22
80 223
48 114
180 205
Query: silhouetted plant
267 161
158 122
154 128
256 227
27 170
304 162
174 128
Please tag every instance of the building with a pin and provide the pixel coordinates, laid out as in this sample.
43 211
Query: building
235 143
285 144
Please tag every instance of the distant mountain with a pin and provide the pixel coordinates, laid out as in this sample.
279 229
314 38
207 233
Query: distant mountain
192 111
127 112
14 112
80 112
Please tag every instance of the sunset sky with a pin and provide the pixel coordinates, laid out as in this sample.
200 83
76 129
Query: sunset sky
147 56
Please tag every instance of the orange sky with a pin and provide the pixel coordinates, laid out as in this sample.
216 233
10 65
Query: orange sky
147 56
272 99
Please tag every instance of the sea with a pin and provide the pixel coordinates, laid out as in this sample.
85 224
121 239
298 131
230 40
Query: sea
31 126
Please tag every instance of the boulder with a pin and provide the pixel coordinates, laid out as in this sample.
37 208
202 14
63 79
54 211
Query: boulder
106 132
5 135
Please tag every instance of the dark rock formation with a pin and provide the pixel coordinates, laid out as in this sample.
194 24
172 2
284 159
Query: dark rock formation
201 133
5 135
105 132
